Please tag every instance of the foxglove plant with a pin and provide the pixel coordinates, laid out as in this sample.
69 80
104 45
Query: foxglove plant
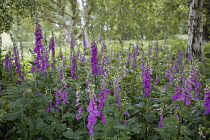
126 114
61 74
49 107
178 91
52 48
119 58
84 43
180 56
73 67
65 93
38 48
157 80
186 94
57 98
60 96
103 59
129 57
77 104
135 55
175 68
17 63
160 125
169 74
189 57
80 112
102 99
93 113
187 79
207 100
156 50
116 91
8 63
45 61
93 109
195 81
94 61
146 79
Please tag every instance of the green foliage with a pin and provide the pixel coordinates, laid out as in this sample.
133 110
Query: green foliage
23 105
12 11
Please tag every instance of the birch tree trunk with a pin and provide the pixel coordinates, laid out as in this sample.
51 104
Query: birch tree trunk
195 28
85 20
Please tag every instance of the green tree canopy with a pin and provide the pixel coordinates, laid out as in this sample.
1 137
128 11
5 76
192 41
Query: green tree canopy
14 10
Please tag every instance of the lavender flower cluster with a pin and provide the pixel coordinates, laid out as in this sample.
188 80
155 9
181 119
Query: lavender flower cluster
160 125
8 63
146 79
116 91
41 61
93 113
207 100
17 63
84 43
94 61
52 48
73 67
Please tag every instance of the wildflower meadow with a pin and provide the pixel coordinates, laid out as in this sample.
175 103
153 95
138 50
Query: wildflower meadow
136 91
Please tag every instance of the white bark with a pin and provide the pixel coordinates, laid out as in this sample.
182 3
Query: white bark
85 20
195 28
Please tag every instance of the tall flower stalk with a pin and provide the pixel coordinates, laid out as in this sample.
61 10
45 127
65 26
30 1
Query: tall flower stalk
160 125
146 79
8 63
73 67
38 49
92 109
135 56
52 49
207 100
94 60
116 91
103 60
17 63
84 43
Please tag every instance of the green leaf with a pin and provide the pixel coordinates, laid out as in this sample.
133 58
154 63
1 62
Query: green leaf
129 106
47 132
39 123
69 134
185 138
170 120
185 130
154 137
50 118
140 105
120 126
11 116
164 134
32 126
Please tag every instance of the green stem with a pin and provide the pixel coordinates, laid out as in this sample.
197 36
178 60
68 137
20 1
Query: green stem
95 86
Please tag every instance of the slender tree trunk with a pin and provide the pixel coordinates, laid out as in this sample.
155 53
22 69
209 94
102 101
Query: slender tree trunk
195 28
67 35
85 20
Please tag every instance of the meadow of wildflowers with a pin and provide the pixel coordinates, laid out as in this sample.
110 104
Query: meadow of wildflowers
97 92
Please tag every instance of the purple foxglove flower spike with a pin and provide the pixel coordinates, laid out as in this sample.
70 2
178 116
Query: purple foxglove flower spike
8 63
146 79
207 100
160 125
17 63
94 61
